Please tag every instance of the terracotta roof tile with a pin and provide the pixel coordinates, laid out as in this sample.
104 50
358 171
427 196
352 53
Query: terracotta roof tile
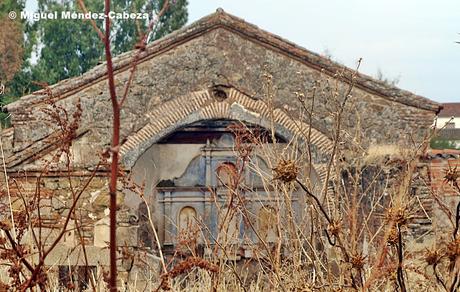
450 110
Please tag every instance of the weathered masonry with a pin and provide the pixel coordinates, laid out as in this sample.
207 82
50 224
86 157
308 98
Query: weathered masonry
188 88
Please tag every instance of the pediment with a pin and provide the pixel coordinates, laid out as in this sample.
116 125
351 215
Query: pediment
218 50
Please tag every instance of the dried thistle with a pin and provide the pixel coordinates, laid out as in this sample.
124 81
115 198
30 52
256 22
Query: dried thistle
334 227
286 171
451 175
357 261
397 215
432 257
393 236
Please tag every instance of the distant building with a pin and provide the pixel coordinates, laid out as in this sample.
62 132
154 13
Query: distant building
449 120
449 116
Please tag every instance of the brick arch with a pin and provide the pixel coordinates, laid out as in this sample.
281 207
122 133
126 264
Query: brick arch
197 106
201 105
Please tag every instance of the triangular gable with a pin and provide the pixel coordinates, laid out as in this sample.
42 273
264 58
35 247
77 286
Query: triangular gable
221 19
29 146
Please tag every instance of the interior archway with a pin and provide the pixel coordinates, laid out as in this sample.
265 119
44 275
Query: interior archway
197 106
178 170
183 170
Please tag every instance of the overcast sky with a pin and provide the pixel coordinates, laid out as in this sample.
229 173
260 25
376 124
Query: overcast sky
413 40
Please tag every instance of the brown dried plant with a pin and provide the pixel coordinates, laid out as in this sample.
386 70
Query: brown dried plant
186 266
286 171
24 272
352 233
11 48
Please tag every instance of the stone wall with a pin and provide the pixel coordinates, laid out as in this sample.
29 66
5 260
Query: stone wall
85 241
175 84
219 56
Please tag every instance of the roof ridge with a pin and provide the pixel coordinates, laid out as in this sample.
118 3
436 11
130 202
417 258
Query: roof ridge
220 18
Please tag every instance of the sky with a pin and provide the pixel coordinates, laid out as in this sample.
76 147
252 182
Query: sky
410 40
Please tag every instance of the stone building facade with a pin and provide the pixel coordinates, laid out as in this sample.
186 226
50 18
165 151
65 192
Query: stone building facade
188 86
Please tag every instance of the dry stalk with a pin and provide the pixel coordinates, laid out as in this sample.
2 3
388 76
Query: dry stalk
7 186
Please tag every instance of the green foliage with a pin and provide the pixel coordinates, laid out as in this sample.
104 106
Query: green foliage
11 5
439 143
70 47
172 19
65 48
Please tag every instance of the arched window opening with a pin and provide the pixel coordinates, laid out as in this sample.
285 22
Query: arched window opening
229 226
227 174
267 223
187 221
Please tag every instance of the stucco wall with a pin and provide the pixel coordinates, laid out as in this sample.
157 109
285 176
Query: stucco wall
442 122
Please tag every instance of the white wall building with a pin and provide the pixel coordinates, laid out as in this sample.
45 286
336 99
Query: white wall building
449 116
